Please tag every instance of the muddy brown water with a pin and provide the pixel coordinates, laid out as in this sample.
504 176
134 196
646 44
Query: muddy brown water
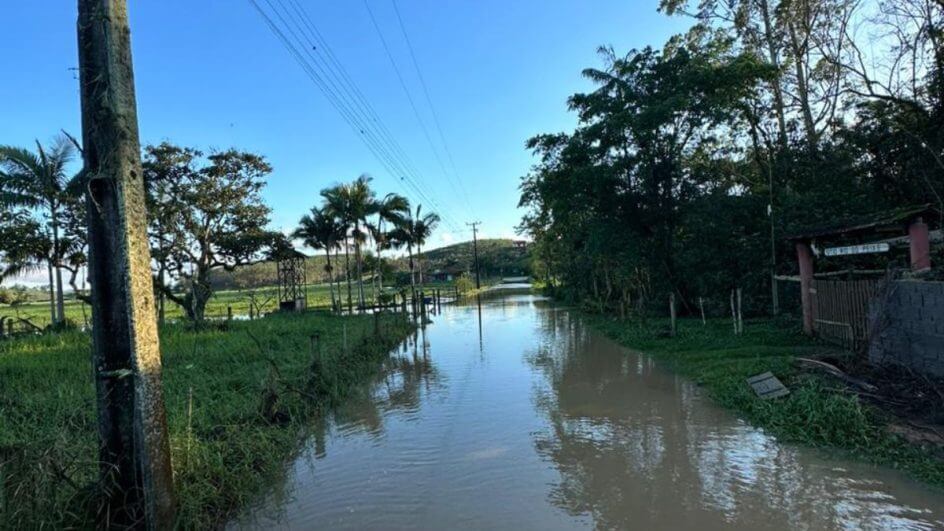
514 415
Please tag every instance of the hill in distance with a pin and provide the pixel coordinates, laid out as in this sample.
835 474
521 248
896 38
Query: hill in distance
497 257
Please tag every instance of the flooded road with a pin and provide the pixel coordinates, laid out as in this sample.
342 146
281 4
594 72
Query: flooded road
513 415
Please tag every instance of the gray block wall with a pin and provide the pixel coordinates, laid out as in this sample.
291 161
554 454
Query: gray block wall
910 327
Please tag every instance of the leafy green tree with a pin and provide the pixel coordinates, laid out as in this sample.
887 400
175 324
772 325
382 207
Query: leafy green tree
23 245
215 218
168 168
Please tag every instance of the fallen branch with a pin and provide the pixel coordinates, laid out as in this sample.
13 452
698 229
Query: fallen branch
838 373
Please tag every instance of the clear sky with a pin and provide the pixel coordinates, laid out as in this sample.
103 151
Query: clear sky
210 74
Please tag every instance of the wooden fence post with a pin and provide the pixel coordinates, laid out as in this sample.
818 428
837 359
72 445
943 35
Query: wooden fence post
672 313
701 305
740 321
734 313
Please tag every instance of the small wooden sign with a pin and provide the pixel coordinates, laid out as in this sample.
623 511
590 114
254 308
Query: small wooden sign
865 248
767 386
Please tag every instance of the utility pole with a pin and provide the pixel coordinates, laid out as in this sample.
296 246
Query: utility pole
475 251
136 476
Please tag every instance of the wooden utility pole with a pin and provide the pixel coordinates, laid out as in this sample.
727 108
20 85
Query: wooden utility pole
475 251
137 483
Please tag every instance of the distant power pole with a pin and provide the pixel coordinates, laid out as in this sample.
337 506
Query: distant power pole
475 251
134 450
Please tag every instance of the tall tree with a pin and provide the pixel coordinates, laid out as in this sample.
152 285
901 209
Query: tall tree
320 230
414 230
391 209
167 171
215 218
40 181
351 203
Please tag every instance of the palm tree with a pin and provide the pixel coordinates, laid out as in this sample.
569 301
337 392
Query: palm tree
393 208
335 206
401 236
351 204
423 228
414 231
38 181
320 230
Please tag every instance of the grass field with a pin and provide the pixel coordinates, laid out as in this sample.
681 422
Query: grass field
814 413
254 387
319 296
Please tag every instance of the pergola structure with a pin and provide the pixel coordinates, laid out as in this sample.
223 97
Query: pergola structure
877 233
290 266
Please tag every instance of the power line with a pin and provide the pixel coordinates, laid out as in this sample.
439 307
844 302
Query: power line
387 149
409 98
429 101
346 98
335 70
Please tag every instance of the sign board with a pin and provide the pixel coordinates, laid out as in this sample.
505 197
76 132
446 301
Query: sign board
767 386
865 248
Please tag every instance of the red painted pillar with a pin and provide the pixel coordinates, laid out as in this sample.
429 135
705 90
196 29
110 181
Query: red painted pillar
920 246
805 259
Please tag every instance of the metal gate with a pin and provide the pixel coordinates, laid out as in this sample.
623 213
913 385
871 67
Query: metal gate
841 310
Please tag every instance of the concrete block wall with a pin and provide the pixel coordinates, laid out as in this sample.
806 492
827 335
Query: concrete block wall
910 329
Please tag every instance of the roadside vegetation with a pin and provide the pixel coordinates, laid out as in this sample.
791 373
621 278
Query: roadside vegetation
240 397
692 162
819 411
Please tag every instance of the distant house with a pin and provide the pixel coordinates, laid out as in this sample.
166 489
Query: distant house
441 276
520 244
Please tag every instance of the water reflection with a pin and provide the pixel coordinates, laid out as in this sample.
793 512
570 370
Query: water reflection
398 389
636 446
508 413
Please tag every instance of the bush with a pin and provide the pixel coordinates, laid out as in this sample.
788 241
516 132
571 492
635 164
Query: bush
465 283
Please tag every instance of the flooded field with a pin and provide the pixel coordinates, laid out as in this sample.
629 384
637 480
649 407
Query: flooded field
510 414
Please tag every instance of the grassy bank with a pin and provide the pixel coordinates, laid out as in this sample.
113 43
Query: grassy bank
816 412
252 388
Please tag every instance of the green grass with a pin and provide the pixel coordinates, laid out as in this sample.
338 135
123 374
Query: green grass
238 300
255 389
815 412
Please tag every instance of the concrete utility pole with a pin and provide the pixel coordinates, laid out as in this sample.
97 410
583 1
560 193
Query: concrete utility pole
475 251
135 455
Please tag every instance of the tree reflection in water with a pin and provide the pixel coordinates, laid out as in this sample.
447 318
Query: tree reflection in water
636 446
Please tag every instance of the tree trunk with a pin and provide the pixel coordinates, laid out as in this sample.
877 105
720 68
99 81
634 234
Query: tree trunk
134 452
57 256
52 295
337 279
774 58
419 260
347 273
330 280
161 298
357 263
199 296
412 271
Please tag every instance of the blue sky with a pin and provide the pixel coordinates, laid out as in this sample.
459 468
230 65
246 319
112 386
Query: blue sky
209 73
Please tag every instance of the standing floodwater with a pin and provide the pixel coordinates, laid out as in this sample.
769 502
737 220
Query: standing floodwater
513 415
